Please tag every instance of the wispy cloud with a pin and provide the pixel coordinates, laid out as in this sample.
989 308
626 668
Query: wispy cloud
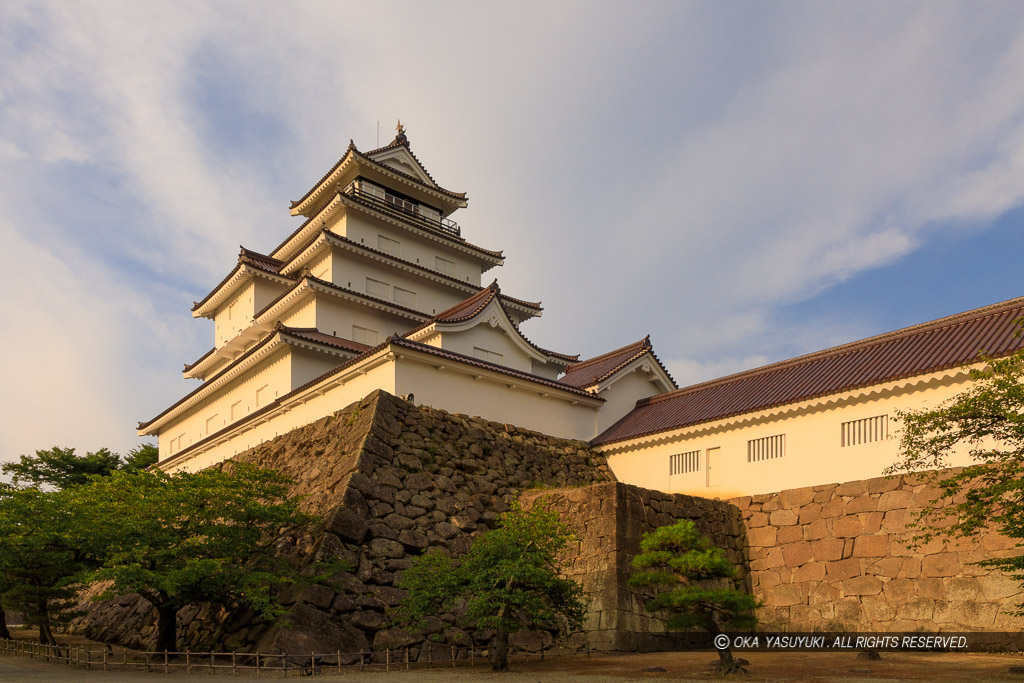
676 169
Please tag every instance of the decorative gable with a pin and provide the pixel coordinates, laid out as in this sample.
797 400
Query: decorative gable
402 160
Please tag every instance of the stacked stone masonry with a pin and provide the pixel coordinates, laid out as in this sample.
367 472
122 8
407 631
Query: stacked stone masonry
840 556
391 480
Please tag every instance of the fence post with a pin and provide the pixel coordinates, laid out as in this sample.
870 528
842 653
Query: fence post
312 661
472 656
234 665
453 656
188 662
387 659
257 665
360 660
165 661
104 659
339 661
406 658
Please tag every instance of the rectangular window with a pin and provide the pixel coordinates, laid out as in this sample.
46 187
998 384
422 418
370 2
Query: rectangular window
766 448
443 265
377 288
262 394
211 424
388 245
489 356
683 463
364 335
405 297
236 410
869 429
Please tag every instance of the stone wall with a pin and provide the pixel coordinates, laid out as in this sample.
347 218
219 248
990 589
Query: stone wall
390 480
840 556
610 520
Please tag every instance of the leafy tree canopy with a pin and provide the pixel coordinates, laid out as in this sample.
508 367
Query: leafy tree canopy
690 575
987 423
187 538
61 468
44 551
510 580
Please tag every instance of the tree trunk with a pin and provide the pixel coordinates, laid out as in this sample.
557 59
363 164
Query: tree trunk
45 634
4 633
499 651
167 636
726 663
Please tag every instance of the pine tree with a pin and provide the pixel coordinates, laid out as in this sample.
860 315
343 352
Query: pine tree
689 571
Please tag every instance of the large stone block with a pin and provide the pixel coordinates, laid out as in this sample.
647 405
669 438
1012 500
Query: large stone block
305 629
841 570
883 484
895 500
763 536
871 546
847 527
783 518
794 498
784 595
852 488
827 549
797 554
862 585
940 564
347 525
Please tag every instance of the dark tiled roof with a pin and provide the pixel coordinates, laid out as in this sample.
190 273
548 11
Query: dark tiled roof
316 336
254 258
353 150
246 257
471 307
336 288
189 366
938 345
307 333
593 370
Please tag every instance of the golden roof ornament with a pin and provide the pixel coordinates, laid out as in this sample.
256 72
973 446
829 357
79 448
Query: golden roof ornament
401 137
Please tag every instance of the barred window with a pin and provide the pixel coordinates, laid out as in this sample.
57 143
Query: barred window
388 245
682 463
869 429
766 448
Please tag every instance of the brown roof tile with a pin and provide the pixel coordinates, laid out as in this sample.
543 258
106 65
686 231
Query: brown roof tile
593 370
941 344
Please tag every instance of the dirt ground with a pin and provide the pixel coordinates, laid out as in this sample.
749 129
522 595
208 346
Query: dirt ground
685 666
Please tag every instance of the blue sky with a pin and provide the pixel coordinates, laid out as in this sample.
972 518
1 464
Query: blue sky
744 181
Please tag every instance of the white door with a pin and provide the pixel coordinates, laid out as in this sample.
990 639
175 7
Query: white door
714 466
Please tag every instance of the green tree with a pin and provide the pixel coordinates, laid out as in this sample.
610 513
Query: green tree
985 422
44 553
510 580
693 578
188 538
61 468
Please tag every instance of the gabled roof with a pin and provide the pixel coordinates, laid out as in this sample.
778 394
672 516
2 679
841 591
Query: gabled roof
246 257
930 347
306 334
401 142
353 152
593 370
475 305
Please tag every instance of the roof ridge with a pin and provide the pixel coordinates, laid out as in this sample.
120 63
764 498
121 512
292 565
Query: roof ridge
867 342
644 343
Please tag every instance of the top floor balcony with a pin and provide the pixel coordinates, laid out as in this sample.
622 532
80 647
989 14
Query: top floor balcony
421 215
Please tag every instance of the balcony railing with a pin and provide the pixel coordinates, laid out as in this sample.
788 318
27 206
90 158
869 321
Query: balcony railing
383 199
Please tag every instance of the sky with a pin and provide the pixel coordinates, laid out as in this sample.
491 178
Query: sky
746 182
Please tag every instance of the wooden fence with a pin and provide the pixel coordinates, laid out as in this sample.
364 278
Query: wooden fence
107 659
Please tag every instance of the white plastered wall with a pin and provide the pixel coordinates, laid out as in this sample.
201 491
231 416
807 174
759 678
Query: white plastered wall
337 317
483 336
811 431
622 394
431 297
299 412
234 315
491 398
365 230
260 385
